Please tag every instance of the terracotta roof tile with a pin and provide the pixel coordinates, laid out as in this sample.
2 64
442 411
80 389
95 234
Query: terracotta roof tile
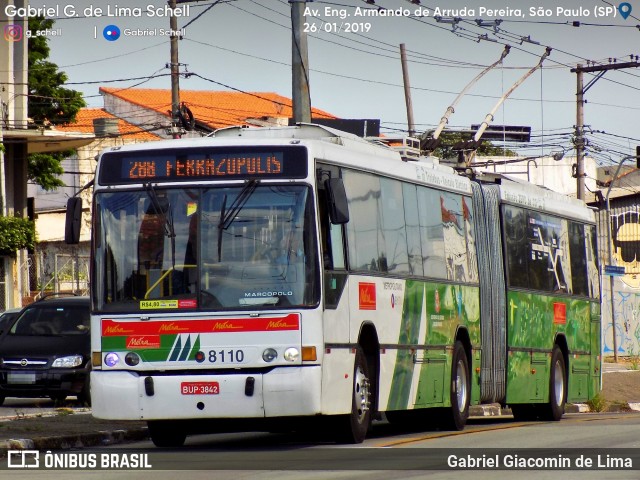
216 109
84 124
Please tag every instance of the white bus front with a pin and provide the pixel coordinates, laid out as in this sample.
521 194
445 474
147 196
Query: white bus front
205 286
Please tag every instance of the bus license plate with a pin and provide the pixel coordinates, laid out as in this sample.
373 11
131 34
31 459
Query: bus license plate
200 388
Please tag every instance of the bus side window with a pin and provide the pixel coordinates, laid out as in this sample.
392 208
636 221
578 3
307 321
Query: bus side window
332 236
337 247
325 228
332 240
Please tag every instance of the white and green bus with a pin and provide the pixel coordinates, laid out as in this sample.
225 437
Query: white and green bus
299 277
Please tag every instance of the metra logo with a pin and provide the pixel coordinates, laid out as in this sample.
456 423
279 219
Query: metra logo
226 325
143 341
280 325
172 327
115 329
367 296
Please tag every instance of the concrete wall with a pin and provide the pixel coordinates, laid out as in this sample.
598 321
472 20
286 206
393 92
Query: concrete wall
619 245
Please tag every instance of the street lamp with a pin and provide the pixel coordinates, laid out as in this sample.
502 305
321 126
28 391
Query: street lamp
609 253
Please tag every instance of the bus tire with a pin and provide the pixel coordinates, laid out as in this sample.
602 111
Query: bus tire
166 434
557 386
353 428
460 390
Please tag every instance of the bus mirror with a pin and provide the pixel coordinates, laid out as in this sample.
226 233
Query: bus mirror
72 221
337 199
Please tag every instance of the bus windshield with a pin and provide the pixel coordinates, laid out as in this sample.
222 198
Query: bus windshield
220 248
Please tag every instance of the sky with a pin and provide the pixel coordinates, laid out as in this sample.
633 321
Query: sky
245 45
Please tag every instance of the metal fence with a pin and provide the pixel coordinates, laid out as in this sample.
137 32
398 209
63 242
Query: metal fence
62 273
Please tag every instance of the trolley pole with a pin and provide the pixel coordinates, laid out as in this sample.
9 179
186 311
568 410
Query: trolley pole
407 91
300 64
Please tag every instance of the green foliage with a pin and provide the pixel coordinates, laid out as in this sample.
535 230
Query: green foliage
634 359
597 403
451 142
48 100
44 168
16 233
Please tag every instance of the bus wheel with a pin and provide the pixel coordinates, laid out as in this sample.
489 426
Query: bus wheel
460 391
353 428
557 386
166 434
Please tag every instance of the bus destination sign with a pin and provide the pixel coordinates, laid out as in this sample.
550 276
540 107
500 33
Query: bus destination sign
173 165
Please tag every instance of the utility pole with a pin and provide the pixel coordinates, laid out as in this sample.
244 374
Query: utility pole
579 136
175 75
407 91
300 64
579 133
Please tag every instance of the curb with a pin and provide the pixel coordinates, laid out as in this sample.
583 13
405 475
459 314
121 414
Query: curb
113 437
65 442
495 410
490 410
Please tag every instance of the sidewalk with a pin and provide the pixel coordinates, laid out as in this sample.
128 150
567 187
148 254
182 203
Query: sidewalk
66 428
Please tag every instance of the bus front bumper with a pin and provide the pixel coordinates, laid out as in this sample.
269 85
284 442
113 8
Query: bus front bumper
289 391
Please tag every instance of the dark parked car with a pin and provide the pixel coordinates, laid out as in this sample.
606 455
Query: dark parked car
46 351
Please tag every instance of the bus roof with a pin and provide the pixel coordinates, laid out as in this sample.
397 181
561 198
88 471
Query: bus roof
534 197
327 145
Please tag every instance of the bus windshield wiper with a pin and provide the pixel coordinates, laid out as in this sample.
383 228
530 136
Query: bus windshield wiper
167 218
228 216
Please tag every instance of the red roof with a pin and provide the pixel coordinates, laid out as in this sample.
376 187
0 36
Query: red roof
84 124
216 109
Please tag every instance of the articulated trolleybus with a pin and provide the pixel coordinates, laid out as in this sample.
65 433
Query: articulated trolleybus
300 274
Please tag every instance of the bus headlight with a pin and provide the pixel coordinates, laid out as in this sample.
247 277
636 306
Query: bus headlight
269 355
291 354
111 359
132 359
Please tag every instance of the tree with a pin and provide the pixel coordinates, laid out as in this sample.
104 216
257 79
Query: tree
48 100
452 142
44 168
49 103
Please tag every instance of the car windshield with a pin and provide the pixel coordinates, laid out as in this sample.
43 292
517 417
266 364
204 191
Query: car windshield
52 320
232 247
7 318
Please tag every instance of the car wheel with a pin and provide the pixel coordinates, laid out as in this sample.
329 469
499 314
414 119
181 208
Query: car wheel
84 397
